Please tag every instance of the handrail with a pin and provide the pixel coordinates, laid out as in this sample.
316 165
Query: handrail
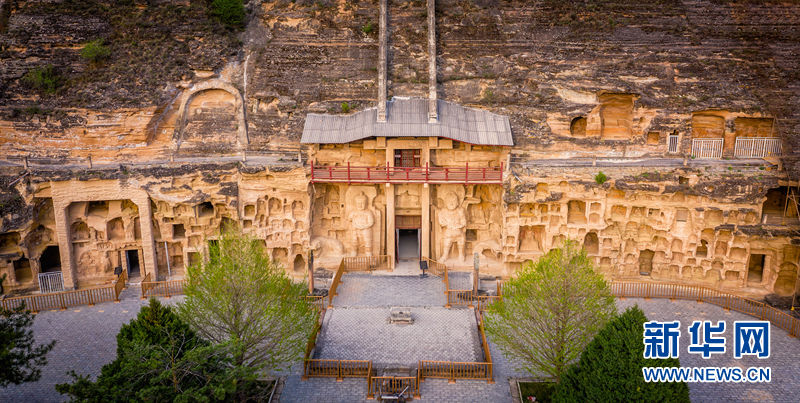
146 284
317 301
368 263
337 279
388 174
641 289
120 285
162 288
62 300
757 147
395 384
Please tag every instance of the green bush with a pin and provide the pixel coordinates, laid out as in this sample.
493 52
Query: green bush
229 12
610 369
44 78
368 28
95 51
345 107
600 178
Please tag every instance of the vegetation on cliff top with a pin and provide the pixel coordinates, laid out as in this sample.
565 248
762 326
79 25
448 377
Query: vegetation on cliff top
145 47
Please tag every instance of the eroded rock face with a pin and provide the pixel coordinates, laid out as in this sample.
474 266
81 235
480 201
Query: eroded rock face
610 82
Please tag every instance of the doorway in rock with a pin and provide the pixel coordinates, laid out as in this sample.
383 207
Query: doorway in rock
132 257
408 244
755 268
50 260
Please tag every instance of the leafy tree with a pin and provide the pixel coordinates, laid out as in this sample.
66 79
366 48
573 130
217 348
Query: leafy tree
44 78
551 310
159 358
229 12
95 51
610 369
20 359
242 296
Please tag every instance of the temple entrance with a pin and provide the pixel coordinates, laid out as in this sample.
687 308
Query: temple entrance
408 244
132 257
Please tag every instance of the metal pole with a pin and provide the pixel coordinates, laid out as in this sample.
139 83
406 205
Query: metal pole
475 267
311 272
166 256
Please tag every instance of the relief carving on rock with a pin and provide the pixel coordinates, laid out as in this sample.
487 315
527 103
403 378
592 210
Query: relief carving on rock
453 220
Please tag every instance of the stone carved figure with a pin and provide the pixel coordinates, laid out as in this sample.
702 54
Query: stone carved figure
362 220
453 221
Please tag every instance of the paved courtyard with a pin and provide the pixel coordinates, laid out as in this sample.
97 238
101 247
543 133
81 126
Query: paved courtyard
363 289
437 334
86 341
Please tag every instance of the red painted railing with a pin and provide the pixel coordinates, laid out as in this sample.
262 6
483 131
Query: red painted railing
389 174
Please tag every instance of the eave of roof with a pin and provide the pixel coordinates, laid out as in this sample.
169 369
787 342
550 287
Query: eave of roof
408 117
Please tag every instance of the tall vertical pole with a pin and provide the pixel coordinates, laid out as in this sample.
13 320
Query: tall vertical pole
433 114
382 62
310 272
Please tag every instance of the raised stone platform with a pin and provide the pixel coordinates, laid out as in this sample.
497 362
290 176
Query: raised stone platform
438 334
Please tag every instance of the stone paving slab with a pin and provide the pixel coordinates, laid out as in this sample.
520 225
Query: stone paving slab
363 289
437 334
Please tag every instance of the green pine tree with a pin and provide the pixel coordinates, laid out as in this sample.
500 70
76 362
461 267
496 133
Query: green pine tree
610 369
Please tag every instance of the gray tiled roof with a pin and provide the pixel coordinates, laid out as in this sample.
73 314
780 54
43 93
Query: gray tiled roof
408 117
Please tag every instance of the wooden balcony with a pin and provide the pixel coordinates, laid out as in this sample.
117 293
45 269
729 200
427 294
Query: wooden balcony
389 174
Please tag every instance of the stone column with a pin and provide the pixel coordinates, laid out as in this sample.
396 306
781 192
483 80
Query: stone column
390 225
382 49
425 201
433 114
148 263
64 245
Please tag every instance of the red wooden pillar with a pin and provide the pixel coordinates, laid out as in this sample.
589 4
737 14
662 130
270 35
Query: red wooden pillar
387 171
348 172
466 173
426 172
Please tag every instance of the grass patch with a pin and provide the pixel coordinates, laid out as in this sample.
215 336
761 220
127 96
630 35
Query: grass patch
45 79
95 51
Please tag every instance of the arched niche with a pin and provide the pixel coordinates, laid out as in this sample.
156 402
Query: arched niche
211 85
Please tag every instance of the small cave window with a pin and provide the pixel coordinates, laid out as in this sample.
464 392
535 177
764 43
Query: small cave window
779 205
576 212
755 268
205 209
646 262
22 270
653 138
50 260
178 231
577 127
591 243
702 249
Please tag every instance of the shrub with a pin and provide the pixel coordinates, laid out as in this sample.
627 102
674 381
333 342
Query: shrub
600 178
95 51
610 369
44 78
345 107
229 12
368 28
